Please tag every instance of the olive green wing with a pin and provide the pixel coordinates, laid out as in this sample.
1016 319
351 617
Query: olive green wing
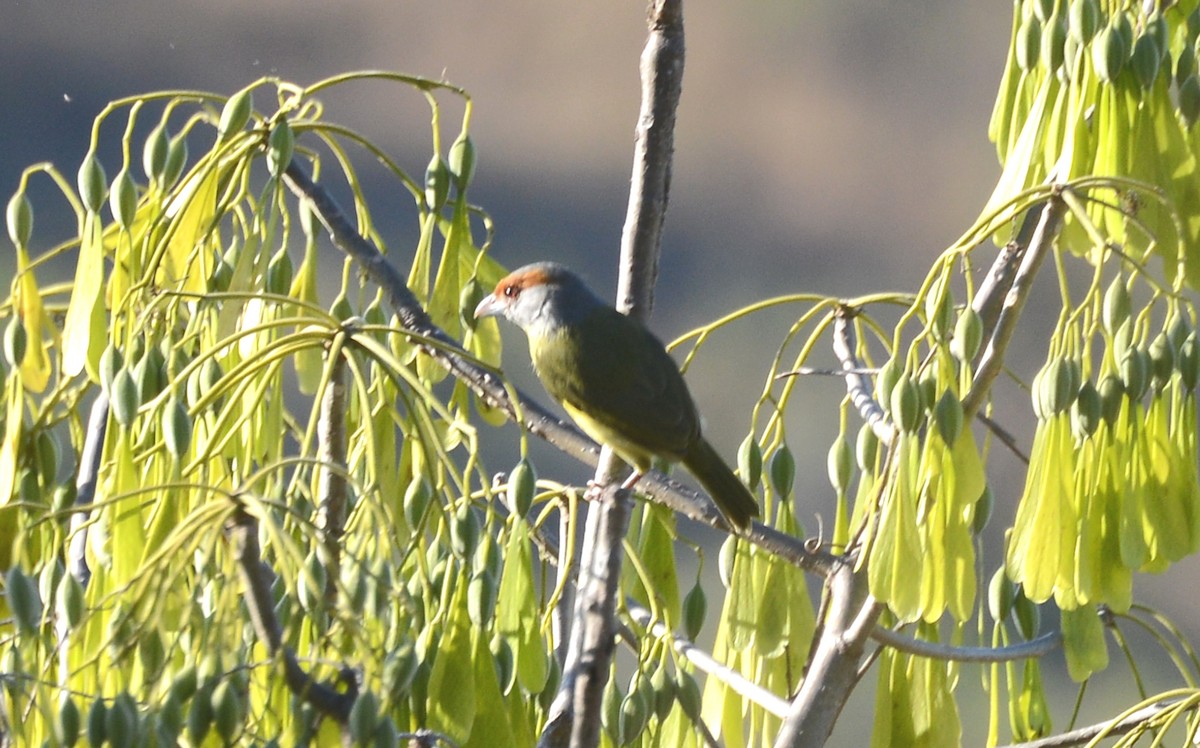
613 369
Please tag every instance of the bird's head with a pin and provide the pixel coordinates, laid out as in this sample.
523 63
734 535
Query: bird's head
539 298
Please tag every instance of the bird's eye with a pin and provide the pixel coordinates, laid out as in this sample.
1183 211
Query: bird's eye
510 291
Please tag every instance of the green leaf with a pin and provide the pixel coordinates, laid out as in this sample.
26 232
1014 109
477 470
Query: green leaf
84 330
451 701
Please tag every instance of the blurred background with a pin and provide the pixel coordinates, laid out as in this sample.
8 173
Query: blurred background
832 146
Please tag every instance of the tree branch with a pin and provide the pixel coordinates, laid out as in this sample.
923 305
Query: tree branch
1132 721
331 451
1038 647
85 488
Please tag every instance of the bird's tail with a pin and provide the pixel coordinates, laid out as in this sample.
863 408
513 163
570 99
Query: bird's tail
731 495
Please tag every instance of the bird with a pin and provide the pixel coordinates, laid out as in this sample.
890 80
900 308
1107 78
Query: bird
614 378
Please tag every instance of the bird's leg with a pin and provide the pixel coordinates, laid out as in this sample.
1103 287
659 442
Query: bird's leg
632 480
594 488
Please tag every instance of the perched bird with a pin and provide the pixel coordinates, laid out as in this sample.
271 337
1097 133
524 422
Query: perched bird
614 378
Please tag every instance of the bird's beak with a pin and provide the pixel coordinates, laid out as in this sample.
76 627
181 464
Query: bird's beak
491 306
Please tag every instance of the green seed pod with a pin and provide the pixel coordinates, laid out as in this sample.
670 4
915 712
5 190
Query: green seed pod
481 599
154 153
97 723
939 312
464 532
468 298
210 375
1135 372
124 398
1185 64
341 309
171 720
279 273
1144 60
1043 9
364 717
1189 362
750 461
506 668
1087 412
1084 17
1109 53
927 387
695 608
280 146
462 161
63 497
1112 392
906 404
1028 616
310 585
68 722
1189 100
176 428
121 722
227 711
15 341
983 510
236 114
1162 359
839 462
1157 29
199 718
783 471
416 500
688 694
148 374
151 654
663 687
866 448
221 276
1029 43
47 457
487 558
1178 332
725 560
69 603
20 219
177 156
1121 23
948 414
437 183
1072 50
23 600
111 362
610 710
185 683
522 485
1002 593
1054 43
553 681
635 715
968 335
123 199
1117 305
399 668
93 185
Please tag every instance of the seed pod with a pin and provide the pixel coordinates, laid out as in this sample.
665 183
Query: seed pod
1054 42
968 335
20 219
695 607
553 681
948 414
123 397
1084 16
1109 53
416 500
1029 42
279 273
97 722
1189 100
1185 64
481 599
635 715
47 457
171 719
506 669
906 404
68 722
15 341
927 387
151 654
783 471
1112 391
839 463
464 532
1087 412
1001 595
185 682
1144 60
866 448
93 185
121 721
23 600
111 362
280 146
687 692
1028 616
177 156
750 461
199 718
462 161
725 560
341 309
1135 372
939 311
1189 362
1117 305
176 428
522 485
154 153
123 199
610 710
236 114
1162 359
1043 9
437 183
469 298
226 710
364 717
399 667
983 510
69 603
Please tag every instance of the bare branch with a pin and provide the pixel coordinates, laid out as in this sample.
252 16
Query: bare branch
858 384
1135 720
85 488
1038 647
999 279
331 451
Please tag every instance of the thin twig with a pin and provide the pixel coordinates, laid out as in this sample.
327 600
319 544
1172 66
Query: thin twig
331 451
1038 647
85 488
858 384
1133 721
